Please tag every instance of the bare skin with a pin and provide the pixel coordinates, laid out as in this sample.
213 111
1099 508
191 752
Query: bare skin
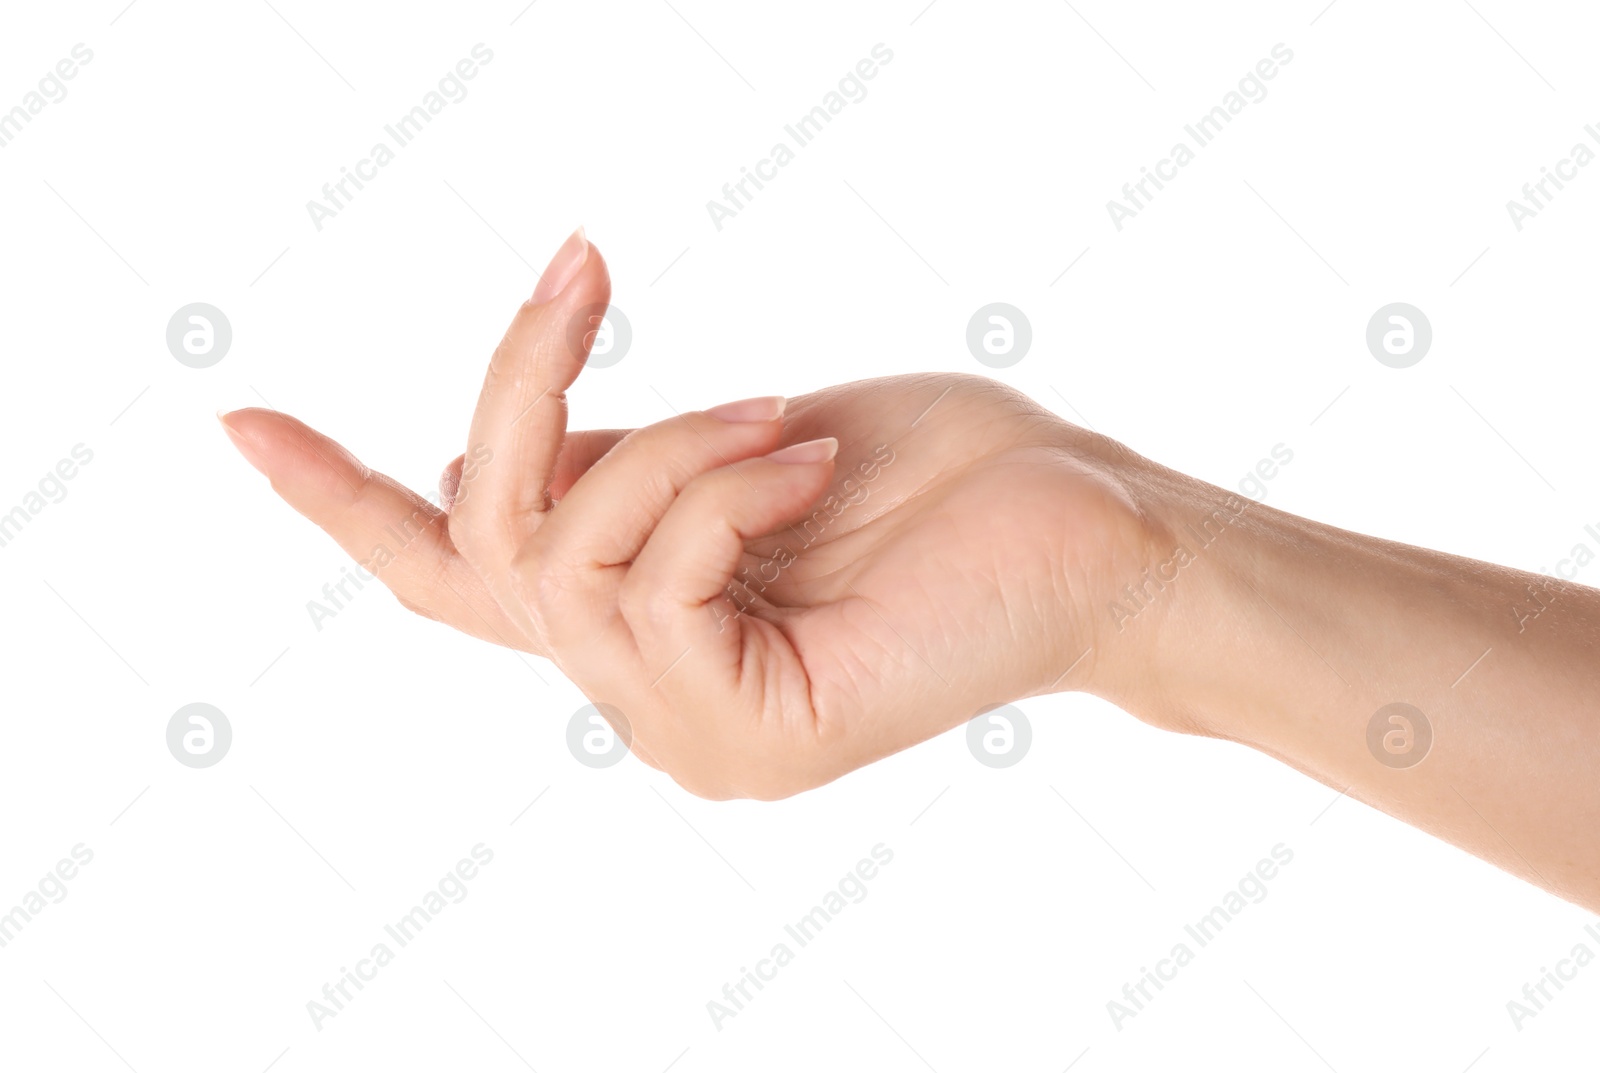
772 593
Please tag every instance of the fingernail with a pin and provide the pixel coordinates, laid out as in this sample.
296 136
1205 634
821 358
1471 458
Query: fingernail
810 451
563 266
251 453
766 408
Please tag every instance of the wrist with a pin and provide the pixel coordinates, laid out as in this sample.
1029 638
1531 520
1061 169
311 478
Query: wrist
1266 622
1136 564
1189 605
1187 638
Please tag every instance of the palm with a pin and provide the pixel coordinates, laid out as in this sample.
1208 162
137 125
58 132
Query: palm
958 531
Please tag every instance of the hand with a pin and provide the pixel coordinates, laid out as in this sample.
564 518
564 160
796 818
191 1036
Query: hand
766 597
763 598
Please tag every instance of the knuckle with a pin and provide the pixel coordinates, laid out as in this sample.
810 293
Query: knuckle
464 533
643 605
708 491
551 589
527 573
670 454
543 592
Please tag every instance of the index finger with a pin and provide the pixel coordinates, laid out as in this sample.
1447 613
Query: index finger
521 419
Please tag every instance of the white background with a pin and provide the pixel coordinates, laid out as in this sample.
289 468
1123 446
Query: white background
369 756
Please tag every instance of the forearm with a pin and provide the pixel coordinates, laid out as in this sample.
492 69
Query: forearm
1290 636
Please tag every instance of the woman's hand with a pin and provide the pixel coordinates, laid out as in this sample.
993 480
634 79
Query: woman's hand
762 597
